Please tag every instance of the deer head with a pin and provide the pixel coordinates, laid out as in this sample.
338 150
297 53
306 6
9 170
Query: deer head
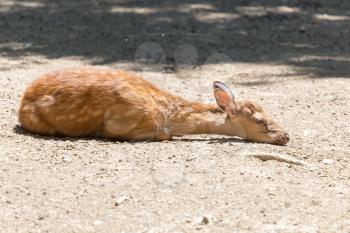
247 119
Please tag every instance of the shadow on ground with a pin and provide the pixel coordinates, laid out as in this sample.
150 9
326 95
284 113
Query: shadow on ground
21 131
312 36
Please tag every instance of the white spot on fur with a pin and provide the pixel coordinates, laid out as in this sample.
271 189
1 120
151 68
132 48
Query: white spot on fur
28 108
96 113
82 119
71 116
46 100
189 109
34 118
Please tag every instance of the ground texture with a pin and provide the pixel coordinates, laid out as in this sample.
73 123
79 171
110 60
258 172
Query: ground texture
290 56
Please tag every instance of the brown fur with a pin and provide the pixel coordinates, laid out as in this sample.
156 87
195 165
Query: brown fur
123 106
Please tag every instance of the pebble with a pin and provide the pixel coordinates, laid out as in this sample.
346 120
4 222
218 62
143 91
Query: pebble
121 199
327 161
98 222
66 158
203 220
28 45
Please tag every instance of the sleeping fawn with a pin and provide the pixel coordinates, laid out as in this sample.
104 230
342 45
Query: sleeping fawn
122 106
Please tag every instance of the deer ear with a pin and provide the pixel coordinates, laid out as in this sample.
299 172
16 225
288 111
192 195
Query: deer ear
225 98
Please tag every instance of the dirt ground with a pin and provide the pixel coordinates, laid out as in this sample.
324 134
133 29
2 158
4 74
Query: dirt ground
290 56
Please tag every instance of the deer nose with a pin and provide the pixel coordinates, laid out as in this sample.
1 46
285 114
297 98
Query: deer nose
282 138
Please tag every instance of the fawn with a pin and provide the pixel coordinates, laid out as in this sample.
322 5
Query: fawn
123 106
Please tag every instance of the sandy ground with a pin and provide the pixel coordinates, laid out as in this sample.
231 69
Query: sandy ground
292 57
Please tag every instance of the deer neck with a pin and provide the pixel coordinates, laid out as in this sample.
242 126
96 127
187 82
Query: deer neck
199 118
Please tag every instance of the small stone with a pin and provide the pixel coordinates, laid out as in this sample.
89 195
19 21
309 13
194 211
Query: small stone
302 29
27 45
203 220
327 161
98 222
121 199
66 158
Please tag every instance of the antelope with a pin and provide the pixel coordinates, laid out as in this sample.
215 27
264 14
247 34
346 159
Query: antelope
123 106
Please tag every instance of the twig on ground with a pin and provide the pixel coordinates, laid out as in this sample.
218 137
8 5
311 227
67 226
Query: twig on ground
279 158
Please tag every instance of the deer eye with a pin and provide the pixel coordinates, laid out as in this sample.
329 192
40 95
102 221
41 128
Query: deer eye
259 120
